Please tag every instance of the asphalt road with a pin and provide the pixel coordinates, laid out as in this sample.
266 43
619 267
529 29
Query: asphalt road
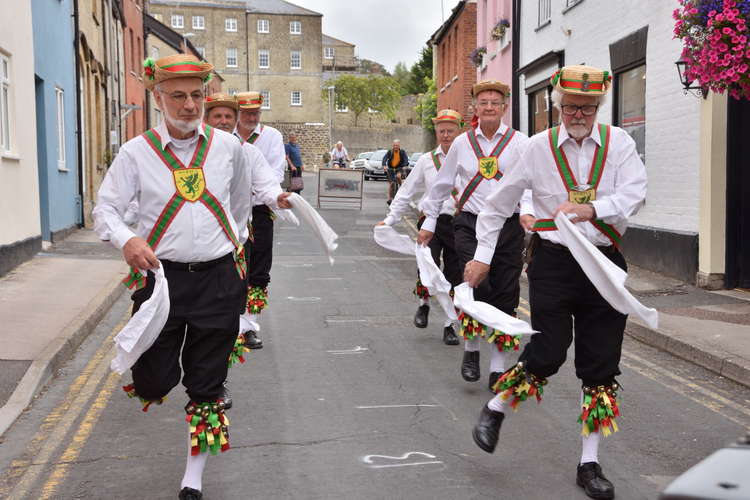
347 400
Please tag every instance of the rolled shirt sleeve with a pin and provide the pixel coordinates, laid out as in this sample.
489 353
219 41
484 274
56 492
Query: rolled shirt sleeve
263 182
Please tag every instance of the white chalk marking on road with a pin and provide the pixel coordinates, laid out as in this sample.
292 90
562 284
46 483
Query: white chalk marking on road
323 279
304 299
296 265
346 321
397 406
357 350
368 459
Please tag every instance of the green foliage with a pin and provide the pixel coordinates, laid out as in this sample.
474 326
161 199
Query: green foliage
427 104
403 76
378 93
420 71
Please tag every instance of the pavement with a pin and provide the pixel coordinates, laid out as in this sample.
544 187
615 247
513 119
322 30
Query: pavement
50 304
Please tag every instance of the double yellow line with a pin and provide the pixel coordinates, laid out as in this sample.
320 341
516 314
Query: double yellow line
24 473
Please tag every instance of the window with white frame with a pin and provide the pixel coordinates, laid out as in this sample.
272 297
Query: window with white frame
201 51
342 108
296 98
154 52
296 59
60 100
545 12
231 58
5 136
329 52
266 95
264 26
295 27
264 59
230 24
178 21
199 23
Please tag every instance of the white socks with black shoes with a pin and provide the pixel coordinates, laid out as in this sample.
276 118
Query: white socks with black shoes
193 477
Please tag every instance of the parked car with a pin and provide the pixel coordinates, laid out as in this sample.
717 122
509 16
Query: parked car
374 166
360 161
412 161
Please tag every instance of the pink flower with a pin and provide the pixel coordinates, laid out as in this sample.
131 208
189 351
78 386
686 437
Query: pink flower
727 31
722 47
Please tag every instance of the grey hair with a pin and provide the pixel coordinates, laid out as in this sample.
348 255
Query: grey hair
396 141
557 96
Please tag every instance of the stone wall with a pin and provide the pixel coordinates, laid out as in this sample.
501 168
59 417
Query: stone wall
312 139
358 139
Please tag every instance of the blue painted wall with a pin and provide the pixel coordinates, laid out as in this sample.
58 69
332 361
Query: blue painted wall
54 65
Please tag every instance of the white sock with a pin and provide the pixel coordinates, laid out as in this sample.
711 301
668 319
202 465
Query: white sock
497 404
497 359
424 302
448 322
471 345
590 448
194 470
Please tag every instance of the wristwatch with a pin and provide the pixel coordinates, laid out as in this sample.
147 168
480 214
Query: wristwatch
592 208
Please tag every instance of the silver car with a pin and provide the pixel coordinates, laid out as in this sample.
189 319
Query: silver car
361 160
374 166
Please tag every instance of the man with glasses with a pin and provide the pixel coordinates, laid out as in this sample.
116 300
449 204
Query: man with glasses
593 173
190 182
475 165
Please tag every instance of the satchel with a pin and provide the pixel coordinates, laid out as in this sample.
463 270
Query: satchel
286 182
297 184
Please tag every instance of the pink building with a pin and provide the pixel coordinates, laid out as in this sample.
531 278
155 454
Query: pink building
494 34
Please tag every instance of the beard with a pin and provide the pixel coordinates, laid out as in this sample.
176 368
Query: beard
578 130
182 125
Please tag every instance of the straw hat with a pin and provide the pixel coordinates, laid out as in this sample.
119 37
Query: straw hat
448 116
501 87
174 66
249 100
221 99
581 80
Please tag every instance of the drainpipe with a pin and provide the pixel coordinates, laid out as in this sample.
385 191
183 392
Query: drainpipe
247 49
79 139
516 58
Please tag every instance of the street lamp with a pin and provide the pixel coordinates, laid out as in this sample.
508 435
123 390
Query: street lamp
687 84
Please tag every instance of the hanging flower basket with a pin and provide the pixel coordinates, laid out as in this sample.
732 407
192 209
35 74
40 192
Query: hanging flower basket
716 49
498 31
477 55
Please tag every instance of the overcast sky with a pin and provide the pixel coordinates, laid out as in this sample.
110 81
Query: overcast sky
386 31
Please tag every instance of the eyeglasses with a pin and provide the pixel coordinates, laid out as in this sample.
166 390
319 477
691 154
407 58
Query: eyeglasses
571 109
181 97
489 104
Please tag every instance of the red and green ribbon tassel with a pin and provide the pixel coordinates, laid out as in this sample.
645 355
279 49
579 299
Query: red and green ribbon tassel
209 427
519 384
421 291
469 327
238 351
257 299
599 410
130 391
504 342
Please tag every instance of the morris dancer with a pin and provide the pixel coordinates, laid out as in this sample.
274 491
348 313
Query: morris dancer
475 164
271 143
447 125
190 182
593 172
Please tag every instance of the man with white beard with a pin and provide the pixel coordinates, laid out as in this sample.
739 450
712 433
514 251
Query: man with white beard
191 187
592 173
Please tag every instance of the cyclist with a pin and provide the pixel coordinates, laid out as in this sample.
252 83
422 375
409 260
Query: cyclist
339 155
393 162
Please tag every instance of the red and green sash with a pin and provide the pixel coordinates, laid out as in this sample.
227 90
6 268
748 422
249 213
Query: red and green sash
478 177
187 192
570 182
254 136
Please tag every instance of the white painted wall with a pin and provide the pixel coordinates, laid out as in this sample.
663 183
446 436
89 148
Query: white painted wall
672 118
19 201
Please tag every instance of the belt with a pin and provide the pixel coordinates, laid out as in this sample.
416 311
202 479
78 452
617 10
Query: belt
193 267
611 249
471 214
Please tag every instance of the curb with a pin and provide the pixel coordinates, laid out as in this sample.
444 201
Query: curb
51 359
723 366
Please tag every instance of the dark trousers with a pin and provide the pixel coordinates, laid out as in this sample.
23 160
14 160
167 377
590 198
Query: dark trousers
260 253
443 245
204 314
501 288
563 300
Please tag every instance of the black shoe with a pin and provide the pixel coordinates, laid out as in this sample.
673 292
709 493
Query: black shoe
388 202
487 430
589 477
493 380
420 319
190 494
449 336
226 397
252 341
470 366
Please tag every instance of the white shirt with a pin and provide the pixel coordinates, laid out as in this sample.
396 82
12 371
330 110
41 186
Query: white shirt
262 183
137 174
461 165
336 153
621 191
271 144
421 178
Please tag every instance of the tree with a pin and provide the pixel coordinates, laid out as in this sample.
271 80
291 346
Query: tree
427 105
359 94
420 71
403 76
368 67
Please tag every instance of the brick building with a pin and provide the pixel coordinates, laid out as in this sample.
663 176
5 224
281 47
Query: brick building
453 71
133 49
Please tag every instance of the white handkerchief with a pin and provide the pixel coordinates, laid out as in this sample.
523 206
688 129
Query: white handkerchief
390 239
488 314
287 216
323 231
607 278
144 326
432 277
